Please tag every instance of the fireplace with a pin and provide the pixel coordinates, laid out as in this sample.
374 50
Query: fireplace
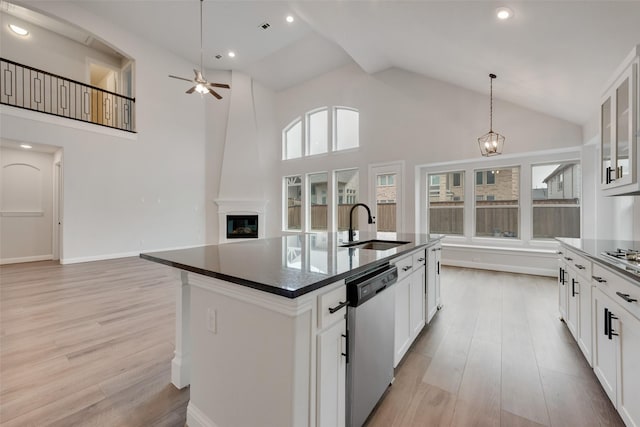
242 226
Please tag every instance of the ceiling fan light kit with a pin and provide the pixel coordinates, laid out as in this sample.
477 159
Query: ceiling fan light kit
491 143
200 83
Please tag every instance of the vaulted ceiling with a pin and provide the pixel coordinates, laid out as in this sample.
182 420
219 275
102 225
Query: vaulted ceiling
552 56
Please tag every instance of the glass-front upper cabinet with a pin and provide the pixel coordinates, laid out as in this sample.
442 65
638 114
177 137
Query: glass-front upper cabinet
619 127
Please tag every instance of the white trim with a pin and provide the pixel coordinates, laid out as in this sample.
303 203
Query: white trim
197 418
121 254
506 249
66 122
22 213
18 260
502 267
288 306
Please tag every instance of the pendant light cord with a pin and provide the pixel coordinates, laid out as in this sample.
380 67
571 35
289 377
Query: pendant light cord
491 76
201 66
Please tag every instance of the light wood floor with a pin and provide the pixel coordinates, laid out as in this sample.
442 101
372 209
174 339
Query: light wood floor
90 345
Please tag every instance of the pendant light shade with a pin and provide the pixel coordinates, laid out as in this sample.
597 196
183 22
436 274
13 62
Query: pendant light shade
491 143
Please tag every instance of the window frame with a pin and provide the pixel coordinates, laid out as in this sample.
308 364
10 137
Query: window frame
334 135
285 144
485 172
307 136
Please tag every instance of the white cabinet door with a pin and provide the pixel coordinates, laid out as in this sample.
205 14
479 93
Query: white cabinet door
628 327
434 256
604 344
416 301
573 309
402 319
331 376
583 288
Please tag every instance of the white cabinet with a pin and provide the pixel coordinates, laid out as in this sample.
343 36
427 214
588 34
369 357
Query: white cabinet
410 302
620 129
402 338
616 344
331 364
574 298
434 255
331 376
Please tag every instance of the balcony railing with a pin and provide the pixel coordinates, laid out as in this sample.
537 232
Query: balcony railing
32 89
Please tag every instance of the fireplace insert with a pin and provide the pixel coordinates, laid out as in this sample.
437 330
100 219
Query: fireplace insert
242 226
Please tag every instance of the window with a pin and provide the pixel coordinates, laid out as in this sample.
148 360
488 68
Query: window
346 182
498 217
312 136
491 177
556 208
317 127
446 208
457 179
385 180
293 190
292 140
479 179
347 128
317 202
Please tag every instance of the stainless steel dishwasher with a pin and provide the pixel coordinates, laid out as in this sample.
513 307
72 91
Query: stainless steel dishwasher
370 334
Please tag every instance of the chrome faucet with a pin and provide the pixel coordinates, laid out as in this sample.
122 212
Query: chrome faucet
370 220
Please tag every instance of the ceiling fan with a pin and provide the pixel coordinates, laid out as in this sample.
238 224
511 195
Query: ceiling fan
201 85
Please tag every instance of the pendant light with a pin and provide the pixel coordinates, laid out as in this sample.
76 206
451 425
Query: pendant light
491 143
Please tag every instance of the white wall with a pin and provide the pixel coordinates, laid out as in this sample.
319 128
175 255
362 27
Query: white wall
405 116
49 51
127 193
26 206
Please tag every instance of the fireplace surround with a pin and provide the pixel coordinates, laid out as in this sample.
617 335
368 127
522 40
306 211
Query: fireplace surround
242 226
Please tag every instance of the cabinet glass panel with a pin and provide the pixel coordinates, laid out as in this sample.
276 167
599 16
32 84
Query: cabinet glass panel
623 129
605 112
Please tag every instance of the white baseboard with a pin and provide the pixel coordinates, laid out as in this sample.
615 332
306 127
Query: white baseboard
197 418
98 257
26 259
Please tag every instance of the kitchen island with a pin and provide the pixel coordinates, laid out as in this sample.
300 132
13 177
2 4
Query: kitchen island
255 336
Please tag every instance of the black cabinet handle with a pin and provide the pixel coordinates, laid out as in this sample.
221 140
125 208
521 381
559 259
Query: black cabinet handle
560 252
626 297
611 331
608 179
573 287
438 267
568 258
580 267
561 276
340 305
606 321
598 279
420 259
407 268
346 355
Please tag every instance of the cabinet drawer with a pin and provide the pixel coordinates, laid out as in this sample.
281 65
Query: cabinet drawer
419 258
580 264
331 300
617 288
405 267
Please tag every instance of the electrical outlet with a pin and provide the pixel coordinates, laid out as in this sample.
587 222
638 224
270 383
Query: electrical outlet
211 320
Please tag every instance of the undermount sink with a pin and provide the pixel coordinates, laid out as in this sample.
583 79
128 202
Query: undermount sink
376 245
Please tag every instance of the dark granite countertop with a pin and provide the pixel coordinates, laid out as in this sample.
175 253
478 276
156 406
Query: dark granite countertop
593 249
291 265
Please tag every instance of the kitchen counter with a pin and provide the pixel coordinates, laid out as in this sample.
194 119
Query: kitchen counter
289 266
593 248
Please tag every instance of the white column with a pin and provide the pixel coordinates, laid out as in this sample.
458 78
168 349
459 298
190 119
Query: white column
181 363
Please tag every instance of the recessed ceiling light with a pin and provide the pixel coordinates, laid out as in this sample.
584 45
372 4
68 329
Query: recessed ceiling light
26 146
231 54
290 19
504 13
18 30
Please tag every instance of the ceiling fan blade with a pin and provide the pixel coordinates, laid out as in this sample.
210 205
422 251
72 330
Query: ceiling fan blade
224 86
214 93
191 90
180 78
